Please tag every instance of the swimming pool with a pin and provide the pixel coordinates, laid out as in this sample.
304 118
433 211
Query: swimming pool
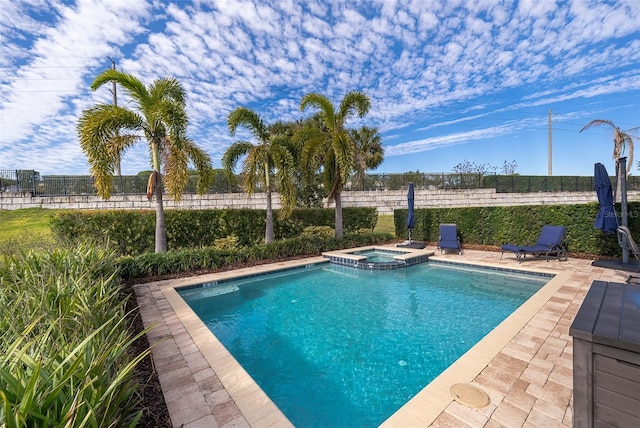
331 344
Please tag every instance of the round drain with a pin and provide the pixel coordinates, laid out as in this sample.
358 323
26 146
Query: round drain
469 395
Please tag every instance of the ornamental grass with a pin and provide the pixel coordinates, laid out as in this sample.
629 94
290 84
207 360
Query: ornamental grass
66 341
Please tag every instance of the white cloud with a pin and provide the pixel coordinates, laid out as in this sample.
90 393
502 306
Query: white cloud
416 59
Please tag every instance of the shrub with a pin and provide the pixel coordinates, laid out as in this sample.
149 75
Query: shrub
132 232
209 258
65 340
228 243
319 231
519 224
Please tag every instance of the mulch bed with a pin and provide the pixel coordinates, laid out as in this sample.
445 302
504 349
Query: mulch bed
154 408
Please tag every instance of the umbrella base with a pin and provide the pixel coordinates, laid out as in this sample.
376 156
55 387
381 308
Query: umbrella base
617 264
414 245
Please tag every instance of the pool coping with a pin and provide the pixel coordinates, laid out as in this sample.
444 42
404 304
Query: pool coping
179 335
403 253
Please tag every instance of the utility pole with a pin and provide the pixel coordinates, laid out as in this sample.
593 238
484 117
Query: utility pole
549 145
115 103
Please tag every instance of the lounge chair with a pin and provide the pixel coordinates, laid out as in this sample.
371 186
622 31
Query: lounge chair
550 242
448 239
624 234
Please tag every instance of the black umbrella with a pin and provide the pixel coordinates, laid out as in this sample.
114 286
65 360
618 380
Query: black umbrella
410 215
606 220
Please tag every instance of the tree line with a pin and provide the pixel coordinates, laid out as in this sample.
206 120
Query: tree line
307 160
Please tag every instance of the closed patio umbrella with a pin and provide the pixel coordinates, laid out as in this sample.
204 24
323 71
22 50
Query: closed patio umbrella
410 215
606 220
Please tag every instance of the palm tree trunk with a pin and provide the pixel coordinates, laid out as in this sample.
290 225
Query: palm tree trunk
339 230
161 231
268 233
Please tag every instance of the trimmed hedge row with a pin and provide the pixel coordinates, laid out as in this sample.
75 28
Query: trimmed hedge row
132 232
209 258
520 225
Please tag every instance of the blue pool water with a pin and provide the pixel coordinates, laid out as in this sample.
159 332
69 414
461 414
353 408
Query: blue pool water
336 346
378 255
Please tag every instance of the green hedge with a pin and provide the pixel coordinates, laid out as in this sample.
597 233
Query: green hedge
132 232
210 258
520 225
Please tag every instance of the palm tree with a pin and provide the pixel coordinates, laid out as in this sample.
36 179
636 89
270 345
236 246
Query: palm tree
621 140
334 147
261 161
369 152
158 115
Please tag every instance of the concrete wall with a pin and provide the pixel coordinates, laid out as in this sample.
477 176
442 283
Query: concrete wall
385 201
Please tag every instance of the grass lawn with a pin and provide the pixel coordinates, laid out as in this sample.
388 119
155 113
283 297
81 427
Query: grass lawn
385 224
23 229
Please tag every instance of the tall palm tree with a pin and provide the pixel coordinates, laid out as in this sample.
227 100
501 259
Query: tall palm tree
369 152
158 116
335 147
621 140
269 156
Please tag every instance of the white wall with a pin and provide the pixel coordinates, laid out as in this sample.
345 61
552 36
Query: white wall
385 201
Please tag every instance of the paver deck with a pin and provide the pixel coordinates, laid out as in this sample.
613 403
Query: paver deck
525 365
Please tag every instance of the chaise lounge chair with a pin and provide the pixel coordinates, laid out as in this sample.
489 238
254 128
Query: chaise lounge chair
550 242
448 239
624 234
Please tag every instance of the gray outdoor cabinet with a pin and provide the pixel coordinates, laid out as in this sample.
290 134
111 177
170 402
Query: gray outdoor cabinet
606 357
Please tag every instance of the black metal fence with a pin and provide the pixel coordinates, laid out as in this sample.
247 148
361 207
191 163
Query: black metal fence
31 182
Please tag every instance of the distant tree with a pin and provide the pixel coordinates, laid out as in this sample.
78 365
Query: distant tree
223 182
158 115
369 152
466 167
509 168
621 140
332 145
270 156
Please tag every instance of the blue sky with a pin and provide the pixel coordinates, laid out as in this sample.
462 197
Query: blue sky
449 80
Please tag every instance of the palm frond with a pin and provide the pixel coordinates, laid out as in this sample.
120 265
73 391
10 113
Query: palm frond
168 88
202 162
622 140
321 103
131 84
252 170
354 102
173 117
104 132
597 122
176 171
248 118
233 153
344 150
284 164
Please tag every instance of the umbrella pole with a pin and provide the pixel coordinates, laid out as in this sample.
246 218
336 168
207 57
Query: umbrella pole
622 172
409 236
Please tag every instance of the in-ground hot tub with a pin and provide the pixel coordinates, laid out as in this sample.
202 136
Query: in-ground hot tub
378 258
